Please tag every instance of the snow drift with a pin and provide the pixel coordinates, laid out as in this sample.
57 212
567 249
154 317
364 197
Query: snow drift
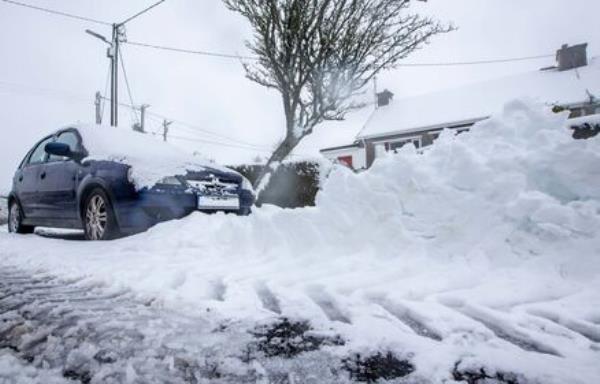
480 252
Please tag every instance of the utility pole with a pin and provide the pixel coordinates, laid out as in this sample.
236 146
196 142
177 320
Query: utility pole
118 36
140 126
166 125
98 104
113 54
143 108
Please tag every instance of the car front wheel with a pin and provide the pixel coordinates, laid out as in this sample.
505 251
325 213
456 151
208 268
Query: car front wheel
15 220
99 221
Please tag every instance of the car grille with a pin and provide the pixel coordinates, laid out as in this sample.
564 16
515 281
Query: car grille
213 185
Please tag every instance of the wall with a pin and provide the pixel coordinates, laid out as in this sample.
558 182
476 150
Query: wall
359 156
293 185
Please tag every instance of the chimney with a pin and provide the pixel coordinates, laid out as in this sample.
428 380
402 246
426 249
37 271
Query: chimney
571 57
384 98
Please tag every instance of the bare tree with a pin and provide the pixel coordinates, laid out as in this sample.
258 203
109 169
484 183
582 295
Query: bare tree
320 54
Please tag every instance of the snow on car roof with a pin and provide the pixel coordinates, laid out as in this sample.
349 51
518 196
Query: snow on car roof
150 159
481 100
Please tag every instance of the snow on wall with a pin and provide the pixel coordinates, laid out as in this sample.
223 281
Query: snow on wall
491 238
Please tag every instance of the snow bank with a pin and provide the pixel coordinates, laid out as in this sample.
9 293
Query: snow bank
481 252
150 159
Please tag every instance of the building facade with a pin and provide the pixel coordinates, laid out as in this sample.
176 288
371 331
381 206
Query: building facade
572 84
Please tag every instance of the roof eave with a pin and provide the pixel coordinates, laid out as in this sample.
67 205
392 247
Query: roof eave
423 128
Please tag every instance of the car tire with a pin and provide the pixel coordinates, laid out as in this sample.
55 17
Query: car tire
99 221
15 220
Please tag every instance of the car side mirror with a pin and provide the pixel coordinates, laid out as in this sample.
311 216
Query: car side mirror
59 149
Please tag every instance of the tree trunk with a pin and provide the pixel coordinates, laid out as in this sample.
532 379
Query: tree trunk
280 154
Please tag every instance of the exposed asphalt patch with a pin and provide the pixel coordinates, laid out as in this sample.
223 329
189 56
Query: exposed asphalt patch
285 338
372 368
481 376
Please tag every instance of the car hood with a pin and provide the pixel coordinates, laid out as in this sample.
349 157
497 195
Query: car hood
149 158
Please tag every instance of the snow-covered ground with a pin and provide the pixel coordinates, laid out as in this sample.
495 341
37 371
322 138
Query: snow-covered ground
482 252
3 211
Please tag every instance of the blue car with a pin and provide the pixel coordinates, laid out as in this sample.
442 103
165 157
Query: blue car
61 184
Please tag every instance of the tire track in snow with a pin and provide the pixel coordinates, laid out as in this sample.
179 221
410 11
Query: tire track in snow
268 298
503 330
589 331
86 333
328 305
409 318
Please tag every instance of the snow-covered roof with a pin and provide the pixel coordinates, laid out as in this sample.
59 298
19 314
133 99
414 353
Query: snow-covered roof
477 101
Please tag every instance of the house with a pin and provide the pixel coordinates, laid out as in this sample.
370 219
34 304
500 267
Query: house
573 84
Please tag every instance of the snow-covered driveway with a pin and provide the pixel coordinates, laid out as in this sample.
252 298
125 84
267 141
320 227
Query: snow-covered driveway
479 258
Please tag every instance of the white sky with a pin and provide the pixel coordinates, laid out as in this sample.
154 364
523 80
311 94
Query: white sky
56 68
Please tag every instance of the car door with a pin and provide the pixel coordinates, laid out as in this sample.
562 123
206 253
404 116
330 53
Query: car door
27 180
58 187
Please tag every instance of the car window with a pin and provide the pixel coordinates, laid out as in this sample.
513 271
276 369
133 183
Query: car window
38 155
68 138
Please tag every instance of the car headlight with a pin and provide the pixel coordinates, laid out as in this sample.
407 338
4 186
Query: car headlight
246 184
170 180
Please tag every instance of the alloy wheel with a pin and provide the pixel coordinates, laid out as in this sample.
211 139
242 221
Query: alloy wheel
96 217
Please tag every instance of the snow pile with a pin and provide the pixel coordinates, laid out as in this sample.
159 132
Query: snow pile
480 252
150 159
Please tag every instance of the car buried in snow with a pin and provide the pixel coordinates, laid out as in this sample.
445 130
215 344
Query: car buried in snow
111 182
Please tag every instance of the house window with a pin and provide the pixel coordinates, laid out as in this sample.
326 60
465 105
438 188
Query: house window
346 160
576 112
394 146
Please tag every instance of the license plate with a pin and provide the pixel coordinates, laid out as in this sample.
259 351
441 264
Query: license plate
225 203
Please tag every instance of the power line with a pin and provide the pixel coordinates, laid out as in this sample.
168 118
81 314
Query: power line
193 128
476 62
210 142
234 56
189 51
233 142
142 12
432 64
54 93
205 131
55 12
105 92
128 86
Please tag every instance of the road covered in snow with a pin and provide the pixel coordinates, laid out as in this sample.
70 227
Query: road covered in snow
478 259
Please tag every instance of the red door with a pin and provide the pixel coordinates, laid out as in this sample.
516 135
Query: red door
346 160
